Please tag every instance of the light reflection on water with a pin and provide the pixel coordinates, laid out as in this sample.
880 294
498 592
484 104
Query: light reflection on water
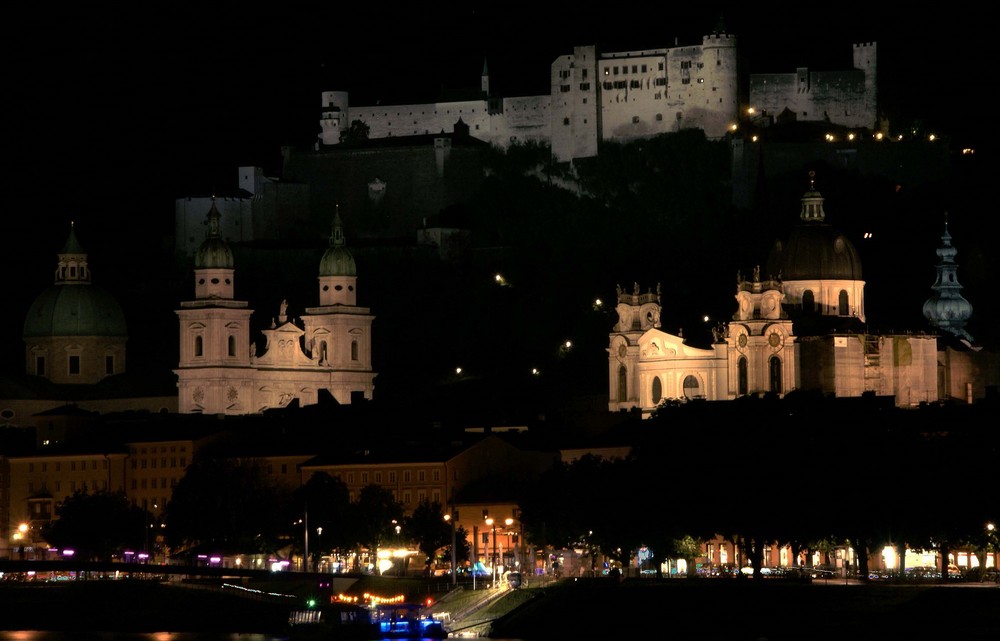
38 635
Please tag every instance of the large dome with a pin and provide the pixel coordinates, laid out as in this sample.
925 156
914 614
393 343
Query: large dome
337 259
814 250
74 310
73 306
214 252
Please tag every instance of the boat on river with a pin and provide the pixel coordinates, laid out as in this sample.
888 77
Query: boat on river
350 622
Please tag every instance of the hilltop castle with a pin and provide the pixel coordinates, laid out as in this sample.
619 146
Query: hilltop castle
624 96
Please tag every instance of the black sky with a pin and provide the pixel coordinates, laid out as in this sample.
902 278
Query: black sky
114 109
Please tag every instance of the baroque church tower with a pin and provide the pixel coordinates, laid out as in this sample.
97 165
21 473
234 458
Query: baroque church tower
338 332
214 374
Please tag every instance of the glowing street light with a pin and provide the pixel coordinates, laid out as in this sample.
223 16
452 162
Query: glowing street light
493 558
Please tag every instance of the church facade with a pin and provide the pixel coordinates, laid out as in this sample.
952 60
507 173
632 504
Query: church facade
327 349
802 327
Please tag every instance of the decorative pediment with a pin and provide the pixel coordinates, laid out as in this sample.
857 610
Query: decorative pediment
284 347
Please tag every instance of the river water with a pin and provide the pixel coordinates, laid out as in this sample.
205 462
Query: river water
35 635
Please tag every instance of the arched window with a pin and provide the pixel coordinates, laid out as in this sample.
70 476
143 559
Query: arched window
743 383
657 390
622 384
354 350
322 352
232 345
842 307
692 388
197 345
808 304
774 368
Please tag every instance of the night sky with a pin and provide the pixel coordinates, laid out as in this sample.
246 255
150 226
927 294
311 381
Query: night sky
112 112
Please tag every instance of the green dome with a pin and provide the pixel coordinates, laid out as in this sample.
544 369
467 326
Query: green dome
337 260
74 310
214 252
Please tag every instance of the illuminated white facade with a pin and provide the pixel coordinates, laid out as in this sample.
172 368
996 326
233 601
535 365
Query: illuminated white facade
329 348
759 351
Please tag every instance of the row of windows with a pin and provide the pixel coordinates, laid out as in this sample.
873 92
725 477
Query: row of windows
44 466
635 69
73 365
199 347
61 272
407 497
141 463
94 486
152 484
407 477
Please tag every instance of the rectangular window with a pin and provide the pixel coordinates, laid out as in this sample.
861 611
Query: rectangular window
644 68
350 478
421 496
406 498
437 475
109 365
378 477
284 468
392 477
364 478
420 476
635 69
74 364
436 496
564 88
406 476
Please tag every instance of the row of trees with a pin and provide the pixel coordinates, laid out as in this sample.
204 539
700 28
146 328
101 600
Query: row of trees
804 471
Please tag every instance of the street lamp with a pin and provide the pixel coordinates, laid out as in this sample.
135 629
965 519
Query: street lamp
450 519
493 558
510 550
319 542
22 529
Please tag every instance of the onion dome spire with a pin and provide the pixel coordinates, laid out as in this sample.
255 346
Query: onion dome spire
947 309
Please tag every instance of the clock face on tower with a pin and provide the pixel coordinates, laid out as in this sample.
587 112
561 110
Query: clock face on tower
622 350
742 340
774 339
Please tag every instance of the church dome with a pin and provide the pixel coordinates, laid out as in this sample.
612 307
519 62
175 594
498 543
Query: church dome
814 250
337 259
74 310
73 306
214 252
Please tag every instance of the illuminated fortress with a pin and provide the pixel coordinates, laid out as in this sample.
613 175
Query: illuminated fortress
623 96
